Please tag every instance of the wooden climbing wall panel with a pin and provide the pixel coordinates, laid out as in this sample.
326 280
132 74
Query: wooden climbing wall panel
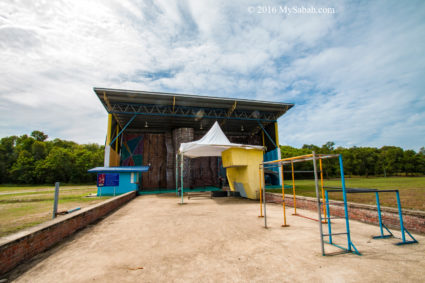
155 155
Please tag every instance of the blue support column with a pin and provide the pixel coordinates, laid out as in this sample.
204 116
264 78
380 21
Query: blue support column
381 225
400 214
351 247
379 213
267 134
329 217
344 195
403 230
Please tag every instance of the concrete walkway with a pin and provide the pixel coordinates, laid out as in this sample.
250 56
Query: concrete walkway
154 239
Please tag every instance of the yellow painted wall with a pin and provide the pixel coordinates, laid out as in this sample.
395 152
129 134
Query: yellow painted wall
242 167
114 158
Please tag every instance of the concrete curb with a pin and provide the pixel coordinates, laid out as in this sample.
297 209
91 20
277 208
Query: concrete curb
22 246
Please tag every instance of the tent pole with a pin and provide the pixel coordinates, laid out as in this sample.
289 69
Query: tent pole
181 180
177 174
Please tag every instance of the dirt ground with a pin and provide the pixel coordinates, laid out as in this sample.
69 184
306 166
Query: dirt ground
154 239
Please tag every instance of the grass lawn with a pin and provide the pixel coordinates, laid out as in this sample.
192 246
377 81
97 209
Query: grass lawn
412 190
22 207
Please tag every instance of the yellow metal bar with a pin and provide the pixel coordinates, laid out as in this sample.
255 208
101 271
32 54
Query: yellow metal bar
261 193
116 141
262 134
174 102
283 197
290 158
232 109
109 130
318 156
276 130
293 188
323 192
229 112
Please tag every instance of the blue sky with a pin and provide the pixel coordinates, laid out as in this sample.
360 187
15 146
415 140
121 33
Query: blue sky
356 74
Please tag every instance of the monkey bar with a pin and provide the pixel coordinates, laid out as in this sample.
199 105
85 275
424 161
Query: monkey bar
303 158
381 225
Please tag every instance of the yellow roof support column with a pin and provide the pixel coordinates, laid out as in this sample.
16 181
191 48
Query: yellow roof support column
262 135
116 141
107 157
276 130
174 103
109 130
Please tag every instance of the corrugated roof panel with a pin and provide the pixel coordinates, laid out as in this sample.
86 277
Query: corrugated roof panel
119 169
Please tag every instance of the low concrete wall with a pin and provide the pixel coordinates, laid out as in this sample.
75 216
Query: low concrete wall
22 246
413 220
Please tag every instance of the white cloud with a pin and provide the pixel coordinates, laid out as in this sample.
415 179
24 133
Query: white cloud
356 76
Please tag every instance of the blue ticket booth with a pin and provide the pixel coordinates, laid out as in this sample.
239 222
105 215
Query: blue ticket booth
112 181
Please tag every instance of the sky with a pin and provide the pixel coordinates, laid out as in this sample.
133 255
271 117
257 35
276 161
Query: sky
355 70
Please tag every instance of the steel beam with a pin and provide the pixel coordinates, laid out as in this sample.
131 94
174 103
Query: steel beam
185 111
123 129
267 134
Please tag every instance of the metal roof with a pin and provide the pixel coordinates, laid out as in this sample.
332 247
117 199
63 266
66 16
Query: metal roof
119 169
159 111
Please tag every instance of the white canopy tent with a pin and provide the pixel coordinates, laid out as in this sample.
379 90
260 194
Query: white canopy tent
213 143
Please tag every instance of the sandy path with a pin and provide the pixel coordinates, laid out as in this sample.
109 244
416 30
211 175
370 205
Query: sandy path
219 240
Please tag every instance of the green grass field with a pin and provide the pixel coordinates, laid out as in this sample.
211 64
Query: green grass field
412 190
26 206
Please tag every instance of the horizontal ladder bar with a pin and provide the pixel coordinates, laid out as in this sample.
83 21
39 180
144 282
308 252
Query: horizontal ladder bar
336 234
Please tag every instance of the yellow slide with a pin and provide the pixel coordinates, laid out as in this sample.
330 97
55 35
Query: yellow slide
242 170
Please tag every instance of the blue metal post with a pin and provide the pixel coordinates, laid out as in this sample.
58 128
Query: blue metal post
264 130
379 214
329 217
319 208
344 195
55 202
400 214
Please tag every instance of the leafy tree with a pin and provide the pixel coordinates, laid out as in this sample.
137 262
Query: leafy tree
410 161
39 136
24 142
391 159
22 170
57 166
34 159
39 150
8 157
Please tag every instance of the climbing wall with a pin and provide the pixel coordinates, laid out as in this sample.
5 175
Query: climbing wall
132 150
154 155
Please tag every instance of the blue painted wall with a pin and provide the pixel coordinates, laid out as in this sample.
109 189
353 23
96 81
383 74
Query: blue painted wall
270 156
124 186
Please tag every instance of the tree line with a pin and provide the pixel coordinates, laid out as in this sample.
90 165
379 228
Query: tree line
362 161
34 160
